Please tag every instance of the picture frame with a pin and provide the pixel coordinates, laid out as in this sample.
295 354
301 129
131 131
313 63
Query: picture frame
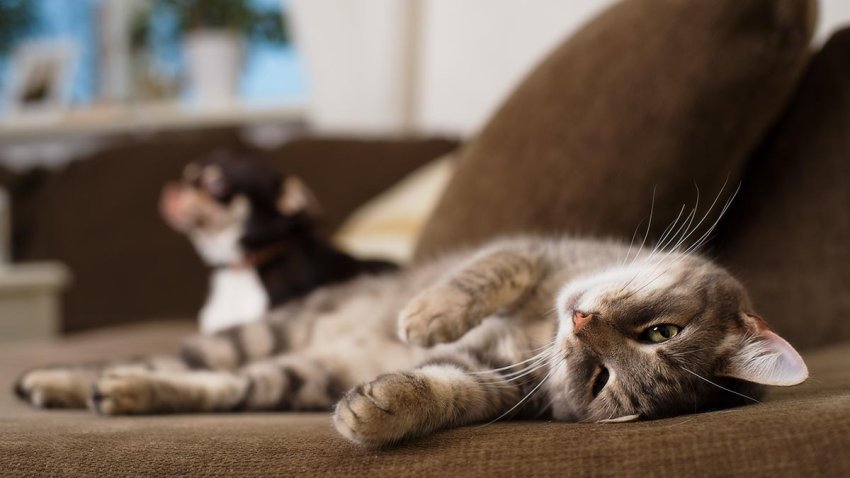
40 77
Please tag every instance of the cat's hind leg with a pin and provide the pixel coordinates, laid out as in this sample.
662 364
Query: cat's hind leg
70 386
287 382
444 393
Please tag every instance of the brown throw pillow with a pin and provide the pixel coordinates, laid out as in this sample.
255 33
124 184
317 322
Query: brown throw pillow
788 235
652 94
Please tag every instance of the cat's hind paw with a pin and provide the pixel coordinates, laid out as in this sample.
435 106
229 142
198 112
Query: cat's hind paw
124 394
56 387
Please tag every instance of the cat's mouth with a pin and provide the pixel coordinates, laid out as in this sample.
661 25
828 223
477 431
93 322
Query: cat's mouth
599 381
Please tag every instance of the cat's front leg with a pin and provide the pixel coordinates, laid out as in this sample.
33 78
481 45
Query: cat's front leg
443 394
494 280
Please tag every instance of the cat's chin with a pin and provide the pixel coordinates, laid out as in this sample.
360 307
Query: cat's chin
562 412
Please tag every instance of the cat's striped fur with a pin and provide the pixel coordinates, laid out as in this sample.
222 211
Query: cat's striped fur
468 338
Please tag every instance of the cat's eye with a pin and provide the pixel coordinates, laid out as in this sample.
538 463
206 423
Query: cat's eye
660 333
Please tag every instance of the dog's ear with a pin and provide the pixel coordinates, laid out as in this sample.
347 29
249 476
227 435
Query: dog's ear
296 198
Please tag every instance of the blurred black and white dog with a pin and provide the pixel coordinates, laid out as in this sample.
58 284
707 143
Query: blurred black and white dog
256 229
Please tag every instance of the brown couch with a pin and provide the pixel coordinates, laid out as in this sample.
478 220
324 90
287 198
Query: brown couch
800 431
655 94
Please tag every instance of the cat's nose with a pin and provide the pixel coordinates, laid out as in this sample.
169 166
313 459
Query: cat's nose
580 319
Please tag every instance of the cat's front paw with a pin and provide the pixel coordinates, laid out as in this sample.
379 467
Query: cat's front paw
439 315
56 387
383 411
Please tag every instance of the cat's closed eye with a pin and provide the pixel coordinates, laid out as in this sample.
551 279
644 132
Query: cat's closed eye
659 333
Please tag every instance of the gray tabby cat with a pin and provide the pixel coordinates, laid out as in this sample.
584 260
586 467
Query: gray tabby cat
575 330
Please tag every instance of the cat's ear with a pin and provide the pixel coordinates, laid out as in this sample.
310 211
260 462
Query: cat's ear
296 198
765 357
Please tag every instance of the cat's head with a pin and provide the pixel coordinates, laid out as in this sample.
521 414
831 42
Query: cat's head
227 203
663 337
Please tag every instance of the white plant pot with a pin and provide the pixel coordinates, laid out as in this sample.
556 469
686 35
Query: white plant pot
359 59
214 61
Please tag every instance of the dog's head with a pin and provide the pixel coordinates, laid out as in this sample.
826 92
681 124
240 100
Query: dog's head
230 205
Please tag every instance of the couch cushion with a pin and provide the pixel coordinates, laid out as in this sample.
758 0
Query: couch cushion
788 235
653 94
800 431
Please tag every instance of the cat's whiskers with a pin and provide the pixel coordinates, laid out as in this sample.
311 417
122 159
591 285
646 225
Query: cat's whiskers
707 234
631 244
704 238
546 351
530 394
662 249
532 366
667 231
648 225
696 227
651 268
664 242
699 242
720 386
542 347
523 372
683 353
527 371
655 249
515 384
536 358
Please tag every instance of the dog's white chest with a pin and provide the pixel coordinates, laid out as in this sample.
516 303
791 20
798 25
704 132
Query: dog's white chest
236 296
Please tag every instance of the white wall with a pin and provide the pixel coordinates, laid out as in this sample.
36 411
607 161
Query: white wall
437 66
833 15
473 52
357 54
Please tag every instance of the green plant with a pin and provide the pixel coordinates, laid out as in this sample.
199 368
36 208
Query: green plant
236 15
17 18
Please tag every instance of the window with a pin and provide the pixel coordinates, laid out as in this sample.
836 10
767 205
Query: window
272 72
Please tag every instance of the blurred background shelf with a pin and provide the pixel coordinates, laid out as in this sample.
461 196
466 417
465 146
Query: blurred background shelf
148 118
